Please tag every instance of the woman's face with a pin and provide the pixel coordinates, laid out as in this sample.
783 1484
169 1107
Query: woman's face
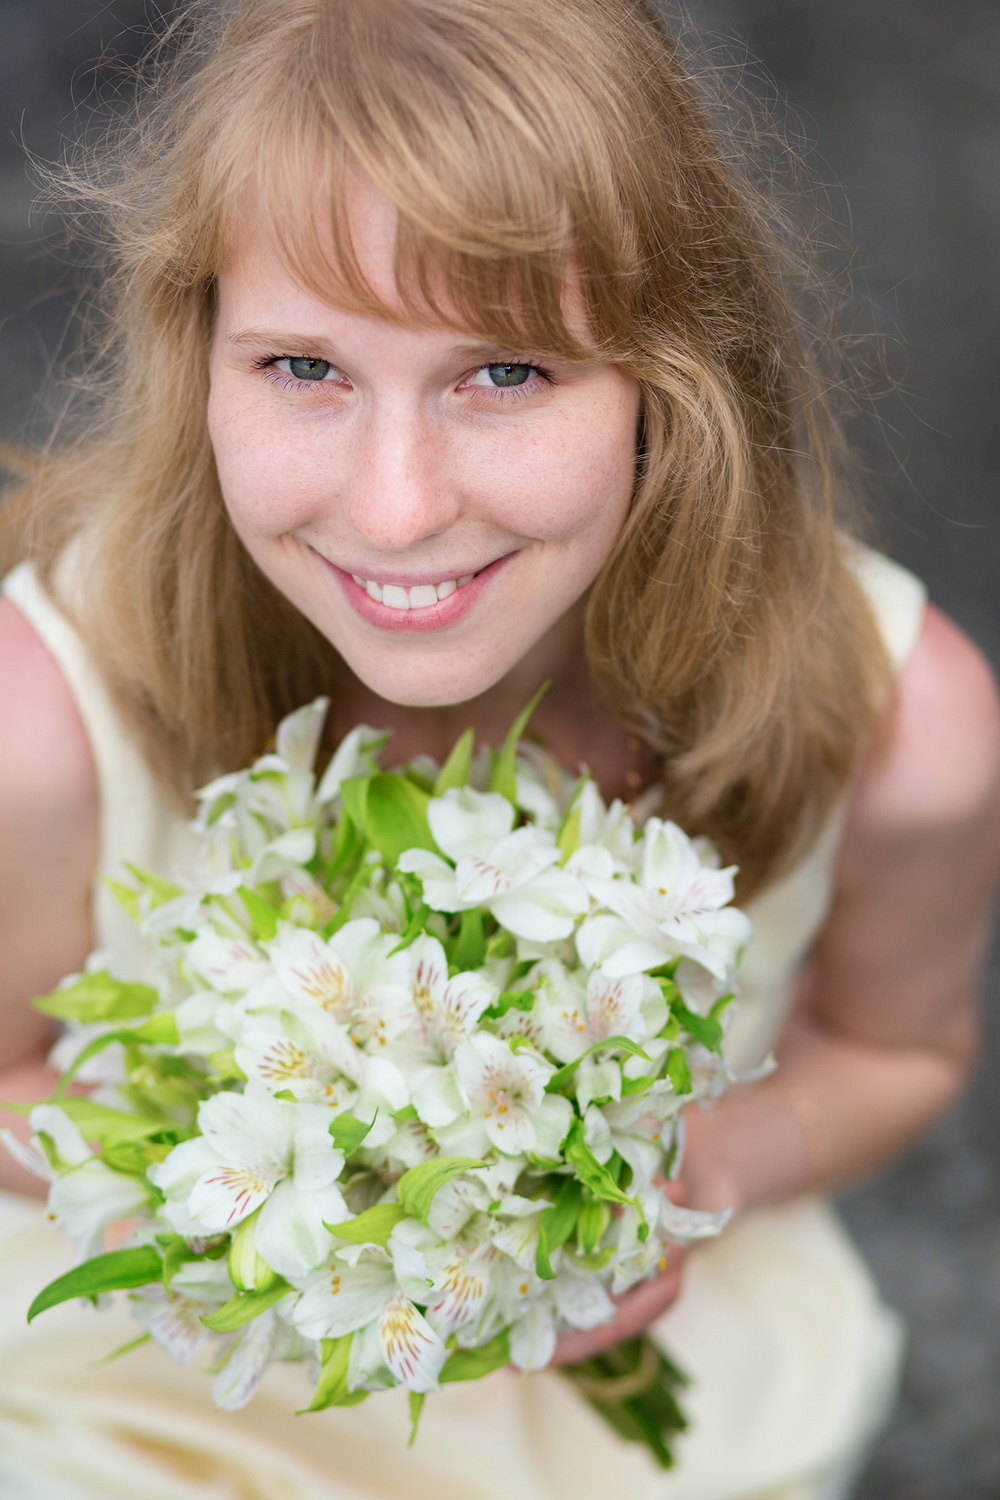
434 504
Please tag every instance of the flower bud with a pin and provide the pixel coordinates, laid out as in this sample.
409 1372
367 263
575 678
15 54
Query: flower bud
590 1226
247 1270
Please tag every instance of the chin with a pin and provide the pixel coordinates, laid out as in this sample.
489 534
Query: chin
419 685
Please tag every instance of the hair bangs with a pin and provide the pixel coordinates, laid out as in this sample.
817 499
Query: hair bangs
498 224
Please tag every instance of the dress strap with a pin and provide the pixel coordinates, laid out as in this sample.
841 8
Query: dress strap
897 599
137 823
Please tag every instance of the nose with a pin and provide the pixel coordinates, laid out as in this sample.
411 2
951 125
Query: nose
401 488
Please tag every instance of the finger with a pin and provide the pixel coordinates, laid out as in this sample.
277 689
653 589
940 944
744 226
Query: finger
636 1310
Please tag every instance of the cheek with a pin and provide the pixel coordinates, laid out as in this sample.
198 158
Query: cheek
269 485
574 483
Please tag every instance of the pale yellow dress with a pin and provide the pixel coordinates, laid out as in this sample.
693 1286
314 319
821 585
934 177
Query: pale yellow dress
793 1356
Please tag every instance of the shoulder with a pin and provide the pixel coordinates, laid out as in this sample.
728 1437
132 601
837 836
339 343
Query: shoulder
938 761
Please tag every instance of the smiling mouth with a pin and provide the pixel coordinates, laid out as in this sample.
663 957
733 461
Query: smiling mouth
420 596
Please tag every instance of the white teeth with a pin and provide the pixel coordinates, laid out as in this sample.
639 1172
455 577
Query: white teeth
420 596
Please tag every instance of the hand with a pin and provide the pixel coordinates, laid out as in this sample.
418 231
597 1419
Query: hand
637 1308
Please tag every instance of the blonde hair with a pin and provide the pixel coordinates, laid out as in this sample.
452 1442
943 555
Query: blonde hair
515 140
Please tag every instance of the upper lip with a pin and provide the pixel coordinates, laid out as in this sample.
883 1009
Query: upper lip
411 580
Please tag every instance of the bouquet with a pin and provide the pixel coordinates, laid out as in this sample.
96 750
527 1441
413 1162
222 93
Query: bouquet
402 1098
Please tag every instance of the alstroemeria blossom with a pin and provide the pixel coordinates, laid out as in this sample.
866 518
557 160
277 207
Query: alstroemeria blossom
514 875
257 1152
348 1298
675 907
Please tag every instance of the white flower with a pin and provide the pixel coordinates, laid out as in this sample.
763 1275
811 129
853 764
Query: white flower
446 1009
515 875
675 907
255 1150
85 1196
311 1055
239 1377
371 1294
356 755
505 1090
173 1320
579 1010
355 976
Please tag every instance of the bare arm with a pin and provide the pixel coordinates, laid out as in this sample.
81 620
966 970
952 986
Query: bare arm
884 1029
48 853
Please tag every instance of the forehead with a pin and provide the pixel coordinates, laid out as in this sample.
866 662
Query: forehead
349 250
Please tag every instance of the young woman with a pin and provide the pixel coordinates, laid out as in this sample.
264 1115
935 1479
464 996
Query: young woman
448 353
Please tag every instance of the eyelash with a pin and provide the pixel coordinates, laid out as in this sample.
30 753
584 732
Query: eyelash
267 363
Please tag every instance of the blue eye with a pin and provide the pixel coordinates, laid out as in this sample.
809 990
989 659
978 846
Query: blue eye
506 375
309 369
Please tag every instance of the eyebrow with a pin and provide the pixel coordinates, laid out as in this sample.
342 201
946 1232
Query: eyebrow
296 342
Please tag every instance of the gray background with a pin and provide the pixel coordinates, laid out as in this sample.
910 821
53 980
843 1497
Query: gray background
896 104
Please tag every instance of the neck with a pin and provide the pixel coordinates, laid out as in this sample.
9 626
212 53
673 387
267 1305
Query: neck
574 726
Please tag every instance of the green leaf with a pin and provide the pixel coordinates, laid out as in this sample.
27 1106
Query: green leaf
631 1086
413 929
96 1122
176 1253
417 1188
556 1224
721 1005
244 1306
225 1064
569 834
417 1399
159 1029
261 913
589 1170
502 775
473 1364
117 1271
564 1075
391 811
159 889
331 1387
98 1364
455 771
126 896
354 793
98 997
348 842
373 1227
500 945
511 1000
705 1029
678 1071
469 948
348 1132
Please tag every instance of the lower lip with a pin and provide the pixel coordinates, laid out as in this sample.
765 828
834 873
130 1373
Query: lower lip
433 617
